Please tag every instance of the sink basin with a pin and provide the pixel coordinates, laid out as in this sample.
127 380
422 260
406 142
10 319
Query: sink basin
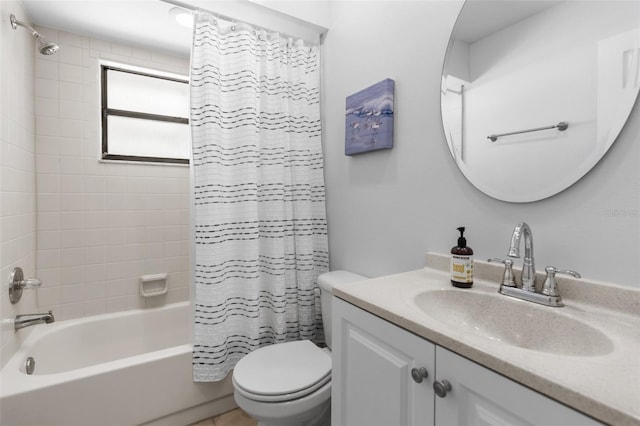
514 322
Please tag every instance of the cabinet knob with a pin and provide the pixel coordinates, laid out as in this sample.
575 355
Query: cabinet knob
441 388
419 374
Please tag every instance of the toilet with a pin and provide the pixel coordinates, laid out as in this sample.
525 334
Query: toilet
289 384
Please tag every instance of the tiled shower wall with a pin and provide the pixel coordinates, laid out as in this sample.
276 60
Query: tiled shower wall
17 180
101 225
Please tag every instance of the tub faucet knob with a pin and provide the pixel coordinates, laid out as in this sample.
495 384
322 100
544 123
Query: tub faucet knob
17 283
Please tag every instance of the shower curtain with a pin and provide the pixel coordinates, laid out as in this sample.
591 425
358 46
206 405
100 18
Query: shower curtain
260 220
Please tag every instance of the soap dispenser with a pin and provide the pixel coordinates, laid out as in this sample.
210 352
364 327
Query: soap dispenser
462 263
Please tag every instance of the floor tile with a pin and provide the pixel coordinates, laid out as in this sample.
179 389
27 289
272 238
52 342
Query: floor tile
207 422
235 417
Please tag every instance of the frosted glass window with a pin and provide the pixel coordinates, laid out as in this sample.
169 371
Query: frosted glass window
142 93
145 138
144 116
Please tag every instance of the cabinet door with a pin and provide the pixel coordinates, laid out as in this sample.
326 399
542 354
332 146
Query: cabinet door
372 380
479 396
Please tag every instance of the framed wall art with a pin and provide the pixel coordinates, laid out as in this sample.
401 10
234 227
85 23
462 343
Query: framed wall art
369 119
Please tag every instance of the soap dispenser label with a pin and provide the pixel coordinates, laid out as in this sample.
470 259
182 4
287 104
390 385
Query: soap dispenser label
462 268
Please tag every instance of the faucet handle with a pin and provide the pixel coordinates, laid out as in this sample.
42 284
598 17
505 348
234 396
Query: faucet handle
17 283
508 279
31 283
550 286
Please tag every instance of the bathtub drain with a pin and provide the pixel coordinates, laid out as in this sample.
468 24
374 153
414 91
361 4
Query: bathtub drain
30 365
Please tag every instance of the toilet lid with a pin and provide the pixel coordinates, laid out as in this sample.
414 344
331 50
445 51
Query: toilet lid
283 371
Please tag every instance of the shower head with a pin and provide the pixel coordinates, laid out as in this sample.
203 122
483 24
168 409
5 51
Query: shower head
46 48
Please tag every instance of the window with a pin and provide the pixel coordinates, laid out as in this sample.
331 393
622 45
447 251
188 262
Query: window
144 116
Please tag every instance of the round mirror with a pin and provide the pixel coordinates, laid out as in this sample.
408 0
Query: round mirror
535 92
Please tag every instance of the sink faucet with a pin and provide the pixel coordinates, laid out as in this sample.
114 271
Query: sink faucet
28 320
549 295
528 265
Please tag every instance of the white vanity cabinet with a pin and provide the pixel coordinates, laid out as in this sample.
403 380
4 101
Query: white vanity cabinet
479 396
372 382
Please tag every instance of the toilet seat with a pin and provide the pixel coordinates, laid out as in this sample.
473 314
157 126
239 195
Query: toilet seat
282 372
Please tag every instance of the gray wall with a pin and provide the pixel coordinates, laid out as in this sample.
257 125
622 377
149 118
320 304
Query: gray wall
387 208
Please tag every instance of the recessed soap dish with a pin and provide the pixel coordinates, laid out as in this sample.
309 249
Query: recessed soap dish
153 285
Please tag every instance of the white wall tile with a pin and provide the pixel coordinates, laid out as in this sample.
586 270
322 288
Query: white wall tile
93 184
94 255
71 220
70 128
48 296
115 304
101 225
48 183
95 307
71 293
70 147
71 54
69 40
48 258
71 238
71 257
68 311
95 290
71 275
47 107
46 69
70 109
47 164
71 202
48 240
48 202
69 91
101 45
47 126
46 88
47 145
71 73
70 183
69 166
48 221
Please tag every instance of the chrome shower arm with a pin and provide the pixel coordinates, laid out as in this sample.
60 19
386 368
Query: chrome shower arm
15 22
45 48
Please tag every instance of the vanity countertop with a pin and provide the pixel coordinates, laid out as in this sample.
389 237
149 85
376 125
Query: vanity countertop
605 387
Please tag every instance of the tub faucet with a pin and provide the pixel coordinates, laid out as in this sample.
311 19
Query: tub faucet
528 266
28 320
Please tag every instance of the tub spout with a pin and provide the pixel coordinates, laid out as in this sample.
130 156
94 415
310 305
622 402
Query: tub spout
28 320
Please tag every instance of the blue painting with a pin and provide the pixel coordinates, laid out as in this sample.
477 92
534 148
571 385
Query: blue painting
369 119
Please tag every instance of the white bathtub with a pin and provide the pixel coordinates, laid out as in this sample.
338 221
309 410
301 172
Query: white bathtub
126 368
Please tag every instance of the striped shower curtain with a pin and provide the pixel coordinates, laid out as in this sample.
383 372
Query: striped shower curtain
260 221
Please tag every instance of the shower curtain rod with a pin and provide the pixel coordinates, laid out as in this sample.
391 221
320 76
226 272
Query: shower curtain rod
307 27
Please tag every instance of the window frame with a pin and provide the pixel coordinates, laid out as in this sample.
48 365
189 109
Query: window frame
106 112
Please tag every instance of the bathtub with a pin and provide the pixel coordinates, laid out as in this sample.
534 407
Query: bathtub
126 368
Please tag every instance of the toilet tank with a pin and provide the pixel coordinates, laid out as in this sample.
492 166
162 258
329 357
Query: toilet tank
327 281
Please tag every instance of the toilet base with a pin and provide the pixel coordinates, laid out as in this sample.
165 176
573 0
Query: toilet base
311 410
323 419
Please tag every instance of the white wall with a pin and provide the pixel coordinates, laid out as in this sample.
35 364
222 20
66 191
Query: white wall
101 225
387 208
17 160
